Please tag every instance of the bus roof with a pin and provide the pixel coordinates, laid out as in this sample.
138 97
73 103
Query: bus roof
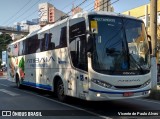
78 15
83 14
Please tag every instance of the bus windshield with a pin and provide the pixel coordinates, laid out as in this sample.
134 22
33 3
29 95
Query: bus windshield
120 45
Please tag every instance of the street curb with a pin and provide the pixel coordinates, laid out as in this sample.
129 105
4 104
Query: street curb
149 100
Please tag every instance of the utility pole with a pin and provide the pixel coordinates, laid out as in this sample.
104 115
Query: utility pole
153 30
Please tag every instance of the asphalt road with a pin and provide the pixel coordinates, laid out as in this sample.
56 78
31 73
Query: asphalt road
29 99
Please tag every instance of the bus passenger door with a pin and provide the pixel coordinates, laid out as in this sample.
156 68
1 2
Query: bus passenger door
81 72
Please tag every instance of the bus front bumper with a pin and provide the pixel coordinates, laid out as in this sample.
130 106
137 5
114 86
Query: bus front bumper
97 95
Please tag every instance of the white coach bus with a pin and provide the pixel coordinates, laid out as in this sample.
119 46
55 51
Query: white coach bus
91 56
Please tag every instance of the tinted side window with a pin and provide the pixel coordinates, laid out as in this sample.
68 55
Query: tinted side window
15 49
63 37
21 49
24 47
77 42
44 42
77 29
59 36
31 44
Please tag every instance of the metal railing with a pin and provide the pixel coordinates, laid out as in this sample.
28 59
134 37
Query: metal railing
7 29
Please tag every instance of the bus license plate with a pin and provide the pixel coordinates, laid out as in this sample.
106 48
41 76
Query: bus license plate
127 94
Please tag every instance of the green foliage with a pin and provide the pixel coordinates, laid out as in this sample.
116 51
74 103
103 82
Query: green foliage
5 39
155 94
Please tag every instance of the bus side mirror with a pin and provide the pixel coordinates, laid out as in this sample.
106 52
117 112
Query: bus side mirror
90 44
150 44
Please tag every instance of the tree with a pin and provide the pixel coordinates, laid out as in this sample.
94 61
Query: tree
5 39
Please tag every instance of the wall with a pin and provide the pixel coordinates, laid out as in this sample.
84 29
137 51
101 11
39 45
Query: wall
140 12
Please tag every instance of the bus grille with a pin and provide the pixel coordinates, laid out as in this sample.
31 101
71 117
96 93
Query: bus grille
127 87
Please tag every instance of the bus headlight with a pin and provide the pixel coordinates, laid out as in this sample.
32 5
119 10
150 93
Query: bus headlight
146 83
101 83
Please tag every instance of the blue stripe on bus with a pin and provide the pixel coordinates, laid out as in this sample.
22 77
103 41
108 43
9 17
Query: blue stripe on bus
46 87
98 91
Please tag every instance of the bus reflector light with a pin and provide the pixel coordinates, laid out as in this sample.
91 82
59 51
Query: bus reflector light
146 83
101 83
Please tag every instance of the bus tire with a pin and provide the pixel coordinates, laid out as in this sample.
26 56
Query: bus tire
18 83
60 91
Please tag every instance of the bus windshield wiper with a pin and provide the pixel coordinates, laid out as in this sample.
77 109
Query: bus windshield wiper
136 63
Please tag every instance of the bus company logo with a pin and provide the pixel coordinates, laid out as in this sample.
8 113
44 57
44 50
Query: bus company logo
40 60
129 81
128 73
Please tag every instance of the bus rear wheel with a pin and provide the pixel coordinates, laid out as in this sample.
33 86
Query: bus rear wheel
60 91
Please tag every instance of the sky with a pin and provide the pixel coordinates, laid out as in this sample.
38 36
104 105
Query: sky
12 11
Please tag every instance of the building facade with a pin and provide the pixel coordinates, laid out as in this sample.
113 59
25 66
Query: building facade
103 5
44 12
143 12
25 26
76 10
48 14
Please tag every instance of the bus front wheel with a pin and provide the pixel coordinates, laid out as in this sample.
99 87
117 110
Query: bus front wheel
60 91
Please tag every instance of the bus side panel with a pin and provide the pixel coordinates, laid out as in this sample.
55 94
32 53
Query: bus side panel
58 66
11 68
37 71
11 63
68 73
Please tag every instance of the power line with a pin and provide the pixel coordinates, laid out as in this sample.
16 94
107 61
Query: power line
33 12
101 5
37 10
68 4
67 14
106 6
25 11
78 6
48 1
88 4
17 12
110 4
92 8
